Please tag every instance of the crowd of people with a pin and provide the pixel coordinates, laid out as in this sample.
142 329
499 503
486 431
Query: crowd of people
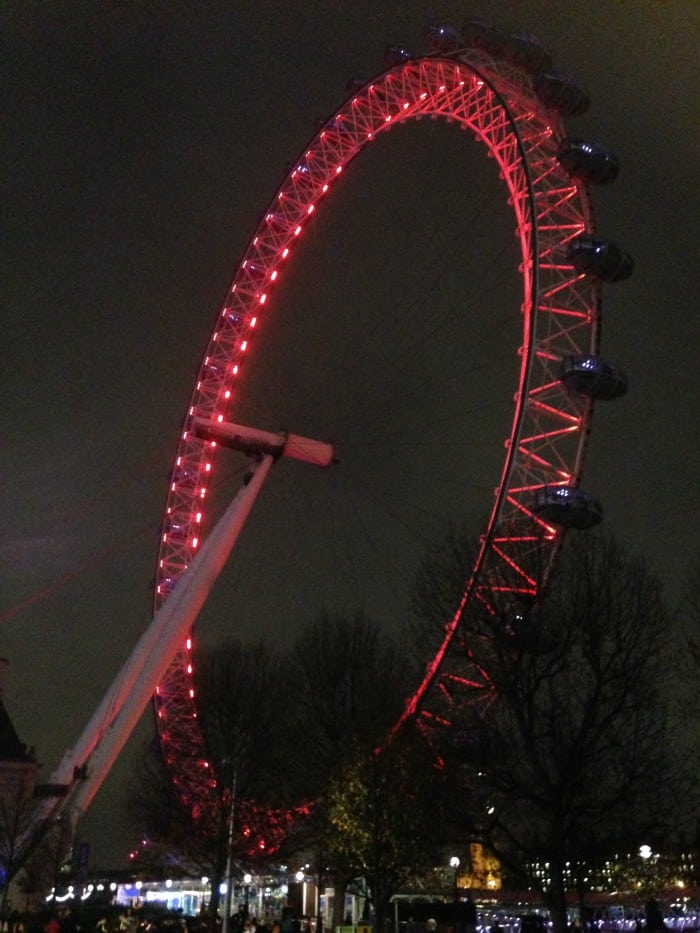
154 920
145 920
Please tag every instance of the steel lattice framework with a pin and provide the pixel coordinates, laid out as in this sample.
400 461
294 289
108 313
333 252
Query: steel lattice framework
496 101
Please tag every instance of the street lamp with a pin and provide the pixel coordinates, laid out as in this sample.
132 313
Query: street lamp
300 878
247 878
228 892
454 865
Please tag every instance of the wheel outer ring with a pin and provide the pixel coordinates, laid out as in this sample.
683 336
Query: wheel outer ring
561 313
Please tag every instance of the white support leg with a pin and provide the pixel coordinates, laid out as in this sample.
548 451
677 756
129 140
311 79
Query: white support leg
104 737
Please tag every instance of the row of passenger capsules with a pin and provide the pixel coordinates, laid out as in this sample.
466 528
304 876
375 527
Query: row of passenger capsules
587 162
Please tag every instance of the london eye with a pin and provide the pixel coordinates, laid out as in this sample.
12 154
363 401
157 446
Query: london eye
503 91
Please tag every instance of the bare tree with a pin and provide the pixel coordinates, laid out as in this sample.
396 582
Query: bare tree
173 837
350 679
687 694
279 731
689 654
15 817
385 814
573 754
48 866
239 687
241 702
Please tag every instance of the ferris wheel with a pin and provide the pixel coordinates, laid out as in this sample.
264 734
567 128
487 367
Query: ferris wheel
503 90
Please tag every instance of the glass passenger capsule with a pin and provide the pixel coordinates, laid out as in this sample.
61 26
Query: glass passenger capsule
593 376
481 34
527 52
443 37
567 506
588 162
594 255
396 55
561 93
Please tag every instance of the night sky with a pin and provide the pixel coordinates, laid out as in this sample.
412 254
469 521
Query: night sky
141 143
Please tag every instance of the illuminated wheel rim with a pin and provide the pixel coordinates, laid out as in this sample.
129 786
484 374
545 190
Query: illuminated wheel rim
560 318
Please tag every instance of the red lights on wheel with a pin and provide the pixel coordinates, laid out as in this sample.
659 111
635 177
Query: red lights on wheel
560 303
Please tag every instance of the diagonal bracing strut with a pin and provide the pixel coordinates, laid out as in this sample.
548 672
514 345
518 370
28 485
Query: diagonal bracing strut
85 766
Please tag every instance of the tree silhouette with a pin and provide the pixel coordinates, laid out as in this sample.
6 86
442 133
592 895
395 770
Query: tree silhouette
387 818
350 680
567 748
15 817
239 690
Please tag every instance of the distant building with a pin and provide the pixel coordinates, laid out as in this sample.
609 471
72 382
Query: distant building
18 764
18 773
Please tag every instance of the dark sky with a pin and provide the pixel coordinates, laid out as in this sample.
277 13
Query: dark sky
141 143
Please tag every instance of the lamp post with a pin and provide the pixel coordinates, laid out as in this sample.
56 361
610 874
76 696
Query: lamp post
229 860
300 879
645 854
454 865
247 878
319 915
